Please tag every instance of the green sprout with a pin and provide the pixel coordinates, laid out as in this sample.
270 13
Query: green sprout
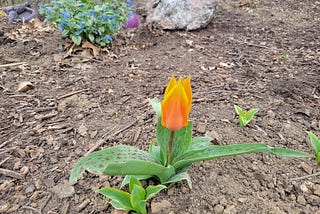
315 144
245 118
136 200
285 57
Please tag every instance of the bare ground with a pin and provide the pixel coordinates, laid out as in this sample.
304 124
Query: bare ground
264 55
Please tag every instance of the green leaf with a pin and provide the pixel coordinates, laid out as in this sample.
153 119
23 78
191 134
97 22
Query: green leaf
117 205
139 167
212 152
200 142
239 111
120 199
137 199
91 37
250 114
245 118
151 191
76 39
127 178
133 181
179 177
97 162
315 142
65 33
101 30
181 141
155 152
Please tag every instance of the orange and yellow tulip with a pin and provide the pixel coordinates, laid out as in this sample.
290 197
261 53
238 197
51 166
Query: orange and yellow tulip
176 104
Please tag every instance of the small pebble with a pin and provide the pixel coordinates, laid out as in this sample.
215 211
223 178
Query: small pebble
231 209
161 207
218 209
30 189
304 188
316 189
301 200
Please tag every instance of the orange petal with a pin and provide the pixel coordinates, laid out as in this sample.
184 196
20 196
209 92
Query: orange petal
175 107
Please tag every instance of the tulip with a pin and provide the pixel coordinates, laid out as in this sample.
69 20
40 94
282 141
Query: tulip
176 104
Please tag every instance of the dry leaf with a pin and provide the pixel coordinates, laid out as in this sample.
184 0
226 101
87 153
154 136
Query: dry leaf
96 50
35 23
87 54
25 86
70 51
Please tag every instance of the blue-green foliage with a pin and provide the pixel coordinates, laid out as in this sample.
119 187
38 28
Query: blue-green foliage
95 21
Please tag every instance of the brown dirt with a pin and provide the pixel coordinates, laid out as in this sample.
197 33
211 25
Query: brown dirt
264 55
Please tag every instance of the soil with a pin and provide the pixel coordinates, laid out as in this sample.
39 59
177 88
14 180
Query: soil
264 54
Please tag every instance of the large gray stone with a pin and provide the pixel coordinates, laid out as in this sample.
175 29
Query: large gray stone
181 14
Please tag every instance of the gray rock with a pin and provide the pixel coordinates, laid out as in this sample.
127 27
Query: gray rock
181 14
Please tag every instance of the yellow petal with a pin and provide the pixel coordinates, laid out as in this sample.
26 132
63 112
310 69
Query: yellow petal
171 84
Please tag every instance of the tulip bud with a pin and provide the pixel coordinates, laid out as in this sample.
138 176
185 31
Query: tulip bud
176 104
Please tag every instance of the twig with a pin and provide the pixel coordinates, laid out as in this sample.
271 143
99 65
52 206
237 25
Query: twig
45 109
45 202
250 44
2 162
260 129
10 173
304 177
72 93
3 144
21 95
4 128
31 208
107 136
65 207
39 211
89 59
12 64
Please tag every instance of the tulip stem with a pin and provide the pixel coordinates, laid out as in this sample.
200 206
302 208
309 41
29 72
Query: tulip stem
170 142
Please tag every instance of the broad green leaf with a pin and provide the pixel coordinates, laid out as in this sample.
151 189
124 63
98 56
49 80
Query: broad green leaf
133 181
200 142
117 205
151 191
96 162
181 141
179 177
155 152
315 142
127 178
137 199
212 152
76 39
139 167
121 198
156 105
